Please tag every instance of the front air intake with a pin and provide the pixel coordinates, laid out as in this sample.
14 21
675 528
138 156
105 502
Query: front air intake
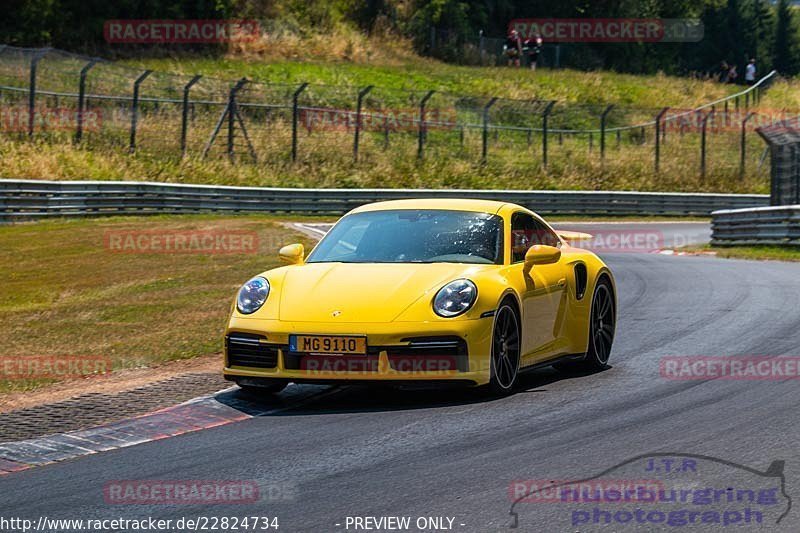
247 350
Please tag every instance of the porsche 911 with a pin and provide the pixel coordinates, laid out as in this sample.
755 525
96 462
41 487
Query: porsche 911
428 293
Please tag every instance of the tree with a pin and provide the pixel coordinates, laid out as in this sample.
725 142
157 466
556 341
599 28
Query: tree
785 52
758 32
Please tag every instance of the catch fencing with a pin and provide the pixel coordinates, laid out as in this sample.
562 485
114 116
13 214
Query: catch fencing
57 96
784 146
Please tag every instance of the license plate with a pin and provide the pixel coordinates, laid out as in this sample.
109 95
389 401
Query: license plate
328 344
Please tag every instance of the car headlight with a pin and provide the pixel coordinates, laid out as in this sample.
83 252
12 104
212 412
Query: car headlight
455 298
252 295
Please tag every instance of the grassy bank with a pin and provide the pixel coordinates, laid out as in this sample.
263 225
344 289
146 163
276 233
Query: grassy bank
388 156
420 74
66 291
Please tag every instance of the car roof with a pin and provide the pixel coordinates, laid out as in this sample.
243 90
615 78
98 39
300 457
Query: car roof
449 204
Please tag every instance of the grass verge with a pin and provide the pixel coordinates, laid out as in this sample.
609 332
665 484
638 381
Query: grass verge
66 293
761 253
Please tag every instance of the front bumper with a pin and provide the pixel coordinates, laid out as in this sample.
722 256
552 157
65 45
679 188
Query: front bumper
455 351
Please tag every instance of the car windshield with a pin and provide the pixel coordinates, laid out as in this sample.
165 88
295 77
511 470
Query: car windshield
413 236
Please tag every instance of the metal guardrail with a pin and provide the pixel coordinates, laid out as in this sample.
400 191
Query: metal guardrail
21 199
777 225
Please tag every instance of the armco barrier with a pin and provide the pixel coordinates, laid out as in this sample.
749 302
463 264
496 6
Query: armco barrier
21 199
761 225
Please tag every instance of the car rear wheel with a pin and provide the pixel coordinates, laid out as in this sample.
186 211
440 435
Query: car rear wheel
505 350
602 326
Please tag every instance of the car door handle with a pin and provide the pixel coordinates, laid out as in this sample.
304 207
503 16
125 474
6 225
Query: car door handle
562 283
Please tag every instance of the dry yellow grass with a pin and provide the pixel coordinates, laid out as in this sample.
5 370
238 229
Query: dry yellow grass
325 160
341 43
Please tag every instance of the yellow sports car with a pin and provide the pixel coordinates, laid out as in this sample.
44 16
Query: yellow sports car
424 292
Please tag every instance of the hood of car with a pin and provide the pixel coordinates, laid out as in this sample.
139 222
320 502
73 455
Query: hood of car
355 292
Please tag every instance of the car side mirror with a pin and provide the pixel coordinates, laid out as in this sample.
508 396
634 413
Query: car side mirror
541 254
292 254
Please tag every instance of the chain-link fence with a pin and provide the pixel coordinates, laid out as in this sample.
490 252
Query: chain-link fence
61 97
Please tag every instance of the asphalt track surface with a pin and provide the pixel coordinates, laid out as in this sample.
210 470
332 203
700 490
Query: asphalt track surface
340 452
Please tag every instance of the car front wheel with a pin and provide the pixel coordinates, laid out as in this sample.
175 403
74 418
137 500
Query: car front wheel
505 351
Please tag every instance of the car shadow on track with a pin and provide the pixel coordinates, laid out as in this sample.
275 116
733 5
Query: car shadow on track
299 400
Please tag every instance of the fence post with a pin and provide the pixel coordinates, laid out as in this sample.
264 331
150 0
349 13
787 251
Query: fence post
422 127
703 144
82 99
727 115
295 117
481 47
135 109
545 115
742 144
185 112
603 131
361 94
32 89
232 116
658 136
486 108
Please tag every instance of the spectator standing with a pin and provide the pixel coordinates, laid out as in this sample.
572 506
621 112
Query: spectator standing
732 74
513 48
722 77
750 72
533 46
